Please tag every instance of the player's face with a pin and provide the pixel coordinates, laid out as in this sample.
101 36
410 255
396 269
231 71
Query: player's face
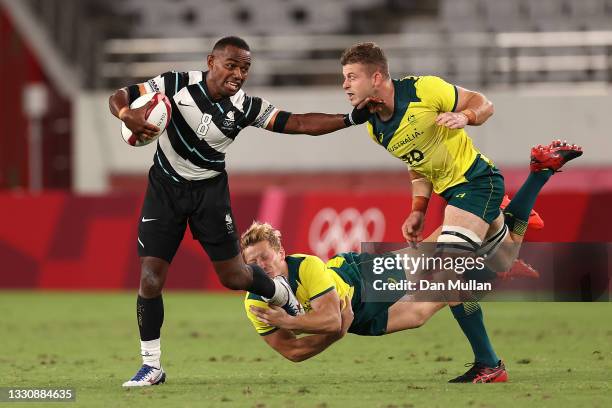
266 257
228 69
358 82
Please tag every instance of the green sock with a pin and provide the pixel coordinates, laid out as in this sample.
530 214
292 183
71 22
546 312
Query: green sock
517 212
469 317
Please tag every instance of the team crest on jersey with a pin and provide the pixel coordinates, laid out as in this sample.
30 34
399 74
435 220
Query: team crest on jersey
228 121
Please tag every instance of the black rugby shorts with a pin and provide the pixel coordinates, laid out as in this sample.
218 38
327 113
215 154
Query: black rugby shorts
169 205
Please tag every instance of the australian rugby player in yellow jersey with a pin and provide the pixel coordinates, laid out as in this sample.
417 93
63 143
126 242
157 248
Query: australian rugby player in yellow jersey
331 295
421 120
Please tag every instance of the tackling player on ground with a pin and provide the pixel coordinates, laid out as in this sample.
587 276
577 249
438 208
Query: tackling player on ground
188 182
331 296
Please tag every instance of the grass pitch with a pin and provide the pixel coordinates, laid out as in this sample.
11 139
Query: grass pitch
557 354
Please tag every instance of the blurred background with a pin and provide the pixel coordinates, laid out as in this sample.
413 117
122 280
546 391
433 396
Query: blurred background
71 189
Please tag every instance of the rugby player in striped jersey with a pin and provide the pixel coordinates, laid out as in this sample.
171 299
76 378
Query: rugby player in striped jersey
188 183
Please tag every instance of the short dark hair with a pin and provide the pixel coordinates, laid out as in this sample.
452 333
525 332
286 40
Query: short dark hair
367 53
231 40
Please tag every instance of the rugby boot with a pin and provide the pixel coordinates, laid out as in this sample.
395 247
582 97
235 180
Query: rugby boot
479 373
147 376
553 156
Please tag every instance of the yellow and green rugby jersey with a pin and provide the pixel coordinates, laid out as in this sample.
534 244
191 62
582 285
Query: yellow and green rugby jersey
309 278
440 154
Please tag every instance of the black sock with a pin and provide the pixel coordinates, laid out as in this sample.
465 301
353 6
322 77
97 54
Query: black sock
262 284
150 314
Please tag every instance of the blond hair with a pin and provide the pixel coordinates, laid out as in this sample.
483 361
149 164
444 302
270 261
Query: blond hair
258 232
366 53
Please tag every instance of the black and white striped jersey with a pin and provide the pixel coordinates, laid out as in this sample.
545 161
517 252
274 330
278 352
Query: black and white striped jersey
200 130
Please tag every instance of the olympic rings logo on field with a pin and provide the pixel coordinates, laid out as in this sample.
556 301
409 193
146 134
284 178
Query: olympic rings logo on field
332 232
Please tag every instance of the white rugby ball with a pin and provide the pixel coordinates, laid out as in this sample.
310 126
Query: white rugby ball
158 114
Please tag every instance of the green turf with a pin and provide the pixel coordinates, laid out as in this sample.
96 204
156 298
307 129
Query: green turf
558 354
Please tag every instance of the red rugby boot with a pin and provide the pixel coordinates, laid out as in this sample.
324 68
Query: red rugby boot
480 373
553 156
519 269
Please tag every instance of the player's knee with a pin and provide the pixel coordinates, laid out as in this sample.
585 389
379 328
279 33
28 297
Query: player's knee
151 281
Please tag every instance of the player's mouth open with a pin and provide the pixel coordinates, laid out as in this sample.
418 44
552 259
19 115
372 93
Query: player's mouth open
233 85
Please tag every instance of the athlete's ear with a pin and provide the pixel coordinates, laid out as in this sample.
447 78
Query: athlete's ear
281 251
210 60
376 79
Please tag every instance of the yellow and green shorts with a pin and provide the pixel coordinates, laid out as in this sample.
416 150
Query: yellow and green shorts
370 317
481 194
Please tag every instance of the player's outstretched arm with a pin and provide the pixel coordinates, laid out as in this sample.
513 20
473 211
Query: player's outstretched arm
473 108
316 124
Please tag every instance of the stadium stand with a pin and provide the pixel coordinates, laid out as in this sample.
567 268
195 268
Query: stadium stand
494 45
298 42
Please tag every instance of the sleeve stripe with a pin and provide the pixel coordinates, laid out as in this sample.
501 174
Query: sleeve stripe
254 109
322 293
269 332
169 83
456 98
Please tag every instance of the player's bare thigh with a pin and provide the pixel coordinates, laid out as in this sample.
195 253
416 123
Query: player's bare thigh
405 315
454 216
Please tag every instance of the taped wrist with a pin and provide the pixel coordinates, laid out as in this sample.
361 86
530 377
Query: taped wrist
420 203
470 115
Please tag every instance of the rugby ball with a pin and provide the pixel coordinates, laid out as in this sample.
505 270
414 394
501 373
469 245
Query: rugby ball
158 114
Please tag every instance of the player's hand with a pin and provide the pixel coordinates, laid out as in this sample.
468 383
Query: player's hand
413 227
273 316
452 120
373 104
134 119
364 109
